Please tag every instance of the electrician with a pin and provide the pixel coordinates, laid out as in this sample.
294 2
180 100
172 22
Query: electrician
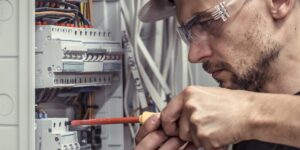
252 48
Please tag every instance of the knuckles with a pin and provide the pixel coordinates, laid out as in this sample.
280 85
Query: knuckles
209 137
203 133
189 90
166 121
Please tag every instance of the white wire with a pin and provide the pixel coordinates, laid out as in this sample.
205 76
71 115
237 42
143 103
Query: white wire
131 129
135 34
141 96
169 70
191 77
158 44
173 66
125 16
153 66
184 70
170 49
157 52
160 103
146 53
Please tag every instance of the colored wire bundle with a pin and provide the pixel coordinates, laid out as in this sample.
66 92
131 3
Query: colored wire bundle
50 12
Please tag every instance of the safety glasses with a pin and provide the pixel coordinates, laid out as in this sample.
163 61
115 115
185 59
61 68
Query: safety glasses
209 21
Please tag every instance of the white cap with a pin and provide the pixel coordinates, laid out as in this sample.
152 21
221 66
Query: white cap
156 10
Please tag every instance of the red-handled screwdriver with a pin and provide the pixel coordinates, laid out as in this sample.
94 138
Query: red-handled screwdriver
100 121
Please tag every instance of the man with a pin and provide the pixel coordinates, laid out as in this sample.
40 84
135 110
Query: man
248 45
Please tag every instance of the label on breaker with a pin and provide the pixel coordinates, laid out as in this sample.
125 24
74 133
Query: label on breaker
108 67
73 67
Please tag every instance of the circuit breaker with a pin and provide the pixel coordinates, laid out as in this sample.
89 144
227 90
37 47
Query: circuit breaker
54 134
75 57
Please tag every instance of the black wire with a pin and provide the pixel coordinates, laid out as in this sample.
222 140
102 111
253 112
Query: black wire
62 3
64 20
85 22
53 16
56 9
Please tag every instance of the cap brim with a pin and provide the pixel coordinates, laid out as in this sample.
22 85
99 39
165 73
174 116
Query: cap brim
156 10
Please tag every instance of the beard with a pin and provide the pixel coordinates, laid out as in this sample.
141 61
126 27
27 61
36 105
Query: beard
252 55
257 76
254 77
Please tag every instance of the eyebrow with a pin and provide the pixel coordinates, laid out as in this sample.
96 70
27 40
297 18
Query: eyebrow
203 15
172 1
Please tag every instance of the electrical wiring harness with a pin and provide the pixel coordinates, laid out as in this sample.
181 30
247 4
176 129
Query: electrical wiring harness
51 12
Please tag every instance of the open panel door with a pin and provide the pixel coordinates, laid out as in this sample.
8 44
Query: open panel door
17 75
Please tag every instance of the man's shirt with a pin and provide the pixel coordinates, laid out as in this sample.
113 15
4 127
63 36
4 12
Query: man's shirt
257 145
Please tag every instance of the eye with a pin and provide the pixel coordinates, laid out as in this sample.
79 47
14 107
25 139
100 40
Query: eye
207 24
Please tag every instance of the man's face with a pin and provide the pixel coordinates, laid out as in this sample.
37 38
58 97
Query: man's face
242 53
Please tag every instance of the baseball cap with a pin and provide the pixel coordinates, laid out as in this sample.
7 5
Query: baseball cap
155 10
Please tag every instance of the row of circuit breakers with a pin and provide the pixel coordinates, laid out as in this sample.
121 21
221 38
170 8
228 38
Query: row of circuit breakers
75 57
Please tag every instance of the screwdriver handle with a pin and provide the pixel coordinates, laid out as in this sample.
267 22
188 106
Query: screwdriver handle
145 116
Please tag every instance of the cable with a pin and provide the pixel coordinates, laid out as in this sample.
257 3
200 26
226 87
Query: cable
132 132
132 62
57 15
171 47
41 95
61 3
56 9
54 13
154 94
153 66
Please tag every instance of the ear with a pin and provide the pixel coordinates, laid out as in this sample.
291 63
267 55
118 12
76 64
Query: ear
279 9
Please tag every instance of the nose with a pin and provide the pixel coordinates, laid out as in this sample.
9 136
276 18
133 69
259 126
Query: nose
199 51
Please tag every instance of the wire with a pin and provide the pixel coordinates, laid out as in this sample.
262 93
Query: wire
41 95
125 105
55 13
65 13
60 3
56 9
138 42
90 9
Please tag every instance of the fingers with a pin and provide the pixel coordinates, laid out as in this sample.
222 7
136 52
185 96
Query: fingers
170 114
152 141
149 137
193 134
184 128
152 124
189 146
172 143
221 148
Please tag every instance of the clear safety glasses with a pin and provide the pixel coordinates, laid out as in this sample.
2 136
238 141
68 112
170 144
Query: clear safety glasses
209 21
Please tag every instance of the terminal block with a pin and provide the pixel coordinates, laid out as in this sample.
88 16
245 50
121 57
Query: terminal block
54 134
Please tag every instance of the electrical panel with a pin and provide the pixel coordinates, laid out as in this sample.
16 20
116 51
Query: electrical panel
61 60
75 57
78 74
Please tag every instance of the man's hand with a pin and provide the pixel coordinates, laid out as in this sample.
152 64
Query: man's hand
208 117
151 137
